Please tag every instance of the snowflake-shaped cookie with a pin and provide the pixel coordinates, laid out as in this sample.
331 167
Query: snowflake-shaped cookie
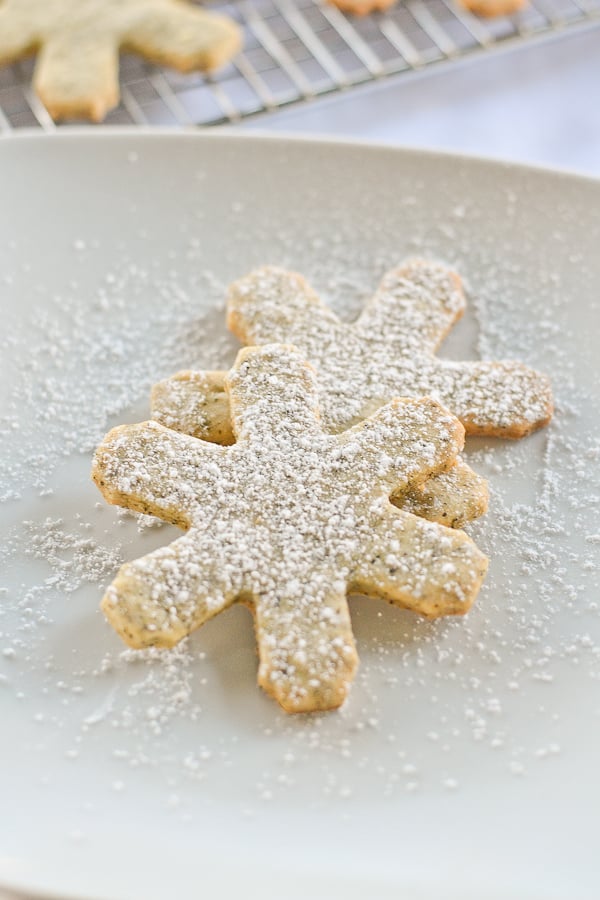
288 519
78 44
487 8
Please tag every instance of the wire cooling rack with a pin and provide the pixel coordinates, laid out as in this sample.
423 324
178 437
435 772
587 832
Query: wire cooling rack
296 50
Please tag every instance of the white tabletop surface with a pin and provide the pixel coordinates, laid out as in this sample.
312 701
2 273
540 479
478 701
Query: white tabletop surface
536 104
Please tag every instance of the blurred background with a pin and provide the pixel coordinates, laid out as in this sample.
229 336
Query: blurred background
424 73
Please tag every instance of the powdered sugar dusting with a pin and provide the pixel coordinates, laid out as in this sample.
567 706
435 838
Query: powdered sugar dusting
85 364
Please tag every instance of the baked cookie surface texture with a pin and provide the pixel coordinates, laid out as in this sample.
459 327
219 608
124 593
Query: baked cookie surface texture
288 520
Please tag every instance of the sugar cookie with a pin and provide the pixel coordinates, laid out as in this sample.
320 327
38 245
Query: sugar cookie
78 42
491 8
288 519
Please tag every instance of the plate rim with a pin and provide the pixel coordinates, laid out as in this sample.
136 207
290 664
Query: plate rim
235 134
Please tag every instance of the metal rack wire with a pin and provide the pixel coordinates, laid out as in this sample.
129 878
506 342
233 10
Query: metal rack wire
296 50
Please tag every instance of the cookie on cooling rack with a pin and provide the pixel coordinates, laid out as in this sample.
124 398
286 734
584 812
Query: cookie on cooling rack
197 403
486 8
78 42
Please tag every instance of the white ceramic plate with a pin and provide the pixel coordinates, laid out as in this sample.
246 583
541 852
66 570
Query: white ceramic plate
465 763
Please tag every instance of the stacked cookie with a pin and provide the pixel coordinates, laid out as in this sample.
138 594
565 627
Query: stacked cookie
78 43
326 461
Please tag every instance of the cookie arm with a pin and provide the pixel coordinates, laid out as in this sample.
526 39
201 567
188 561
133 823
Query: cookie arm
159 599
306 647
450 498
501 399
271 304
17 34
150 469
194 403
415 305
401 445
77 75
421 566
272 391
182 36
